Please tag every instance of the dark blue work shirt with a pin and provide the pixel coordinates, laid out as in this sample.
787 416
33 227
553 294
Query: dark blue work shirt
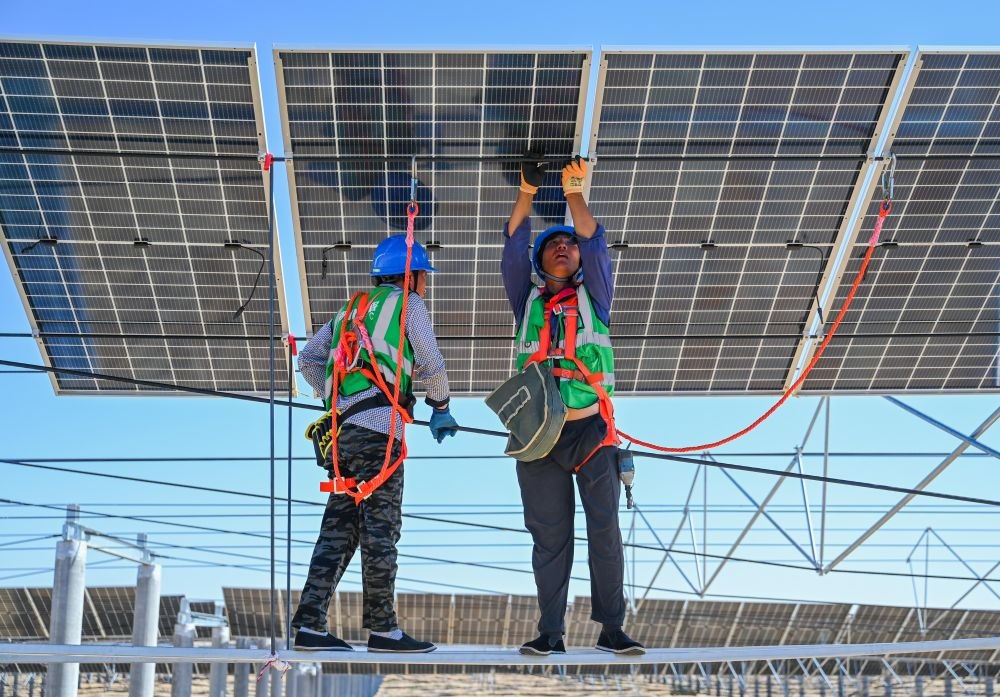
515 265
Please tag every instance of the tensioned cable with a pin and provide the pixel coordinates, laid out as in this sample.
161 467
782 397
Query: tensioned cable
487 526
197 487
500 434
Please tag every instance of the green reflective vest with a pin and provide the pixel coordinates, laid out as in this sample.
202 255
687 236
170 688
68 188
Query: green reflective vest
382 321
593 346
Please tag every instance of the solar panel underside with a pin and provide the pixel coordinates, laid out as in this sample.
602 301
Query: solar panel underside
104 145
930 306
346 113
748 151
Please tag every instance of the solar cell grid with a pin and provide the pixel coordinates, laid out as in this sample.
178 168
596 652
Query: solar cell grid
20 616
748 151
936 293
761 624
105 146
109 613
479 619
656 620
348 114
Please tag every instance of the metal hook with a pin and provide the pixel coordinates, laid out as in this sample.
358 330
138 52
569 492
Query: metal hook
413 179
889 179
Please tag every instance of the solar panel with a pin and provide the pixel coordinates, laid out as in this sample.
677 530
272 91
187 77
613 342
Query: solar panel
248 611
817 624
353 120
926 317
761 624
124 170
708 623
109 613
656 621
707 164
425 615
480 619
21 617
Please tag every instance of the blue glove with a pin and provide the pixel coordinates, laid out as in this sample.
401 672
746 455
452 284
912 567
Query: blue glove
443 424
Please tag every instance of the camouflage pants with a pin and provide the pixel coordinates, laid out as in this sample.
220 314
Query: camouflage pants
374 525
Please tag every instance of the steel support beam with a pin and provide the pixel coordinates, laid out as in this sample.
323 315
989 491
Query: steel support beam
184 634
923 484
68 591
218 672
864 188
944 427
145 626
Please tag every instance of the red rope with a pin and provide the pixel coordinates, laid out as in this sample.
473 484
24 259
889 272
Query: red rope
411 215
872 241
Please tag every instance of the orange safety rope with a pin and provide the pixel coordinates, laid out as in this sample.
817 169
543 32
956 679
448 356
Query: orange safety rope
359 491
884 210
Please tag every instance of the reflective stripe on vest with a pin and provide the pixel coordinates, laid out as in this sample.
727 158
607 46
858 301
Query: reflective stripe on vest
383 316
593 346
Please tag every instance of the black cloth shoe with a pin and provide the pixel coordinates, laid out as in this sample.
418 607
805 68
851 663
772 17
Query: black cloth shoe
617 641
543 646
406 644
307 641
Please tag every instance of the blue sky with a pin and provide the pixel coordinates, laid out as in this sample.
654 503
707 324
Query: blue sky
38 425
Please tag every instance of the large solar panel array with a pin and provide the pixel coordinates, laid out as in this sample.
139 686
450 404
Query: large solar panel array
124 170
25 613
931 306
347 114
746 151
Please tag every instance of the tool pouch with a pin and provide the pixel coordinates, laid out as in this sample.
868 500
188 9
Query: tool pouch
531 409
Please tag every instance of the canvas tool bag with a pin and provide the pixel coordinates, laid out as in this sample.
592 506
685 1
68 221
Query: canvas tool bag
531 408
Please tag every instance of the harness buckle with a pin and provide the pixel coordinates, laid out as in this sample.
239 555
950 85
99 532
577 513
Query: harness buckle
558 309
363 491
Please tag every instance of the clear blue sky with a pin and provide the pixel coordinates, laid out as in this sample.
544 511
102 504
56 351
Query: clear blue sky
38 425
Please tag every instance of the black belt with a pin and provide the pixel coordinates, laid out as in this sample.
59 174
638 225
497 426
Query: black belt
376 402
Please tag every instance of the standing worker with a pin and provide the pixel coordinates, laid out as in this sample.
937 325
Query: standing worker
577 290
365 506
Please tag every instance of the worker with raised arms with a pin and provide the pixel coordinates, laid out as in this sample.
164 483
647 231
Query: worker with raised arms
564 323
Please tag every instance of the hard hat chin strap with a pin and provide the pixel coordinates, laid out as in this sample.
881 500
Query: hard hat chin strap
575 277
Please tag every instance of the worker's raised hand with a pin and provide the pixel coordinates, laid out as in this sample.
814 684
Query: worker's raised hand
532 172
573 176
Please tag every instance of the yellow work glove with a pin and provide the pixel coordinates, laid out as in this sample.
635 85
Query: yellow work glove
532 173
573 176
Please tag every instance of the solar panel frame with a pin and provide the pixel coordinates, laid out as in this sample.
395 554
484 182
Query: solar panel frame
83 147
697 163
948 192
446 173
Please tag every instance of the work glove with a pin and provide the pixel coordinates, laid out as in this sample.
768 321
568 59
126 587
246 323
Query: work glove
532 173
573 175
443 424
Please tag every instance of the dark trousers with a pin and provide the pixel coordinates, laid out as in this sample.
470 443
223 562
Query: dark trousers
374 525
549 507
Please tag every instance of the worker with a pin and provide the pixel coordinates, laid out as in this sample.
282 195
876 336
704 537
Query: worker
364 418
575 269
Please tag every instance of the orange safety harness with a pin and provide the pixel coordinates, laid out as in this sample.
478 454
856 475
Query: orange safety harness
565 303
354 340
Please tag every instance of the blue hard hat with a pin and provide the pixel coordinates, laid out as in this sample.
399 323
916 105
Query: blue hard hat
536 257
390 257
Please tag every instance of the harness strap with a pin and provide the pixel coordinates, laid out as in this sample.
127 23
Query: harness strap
566 374
565 303
349 348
